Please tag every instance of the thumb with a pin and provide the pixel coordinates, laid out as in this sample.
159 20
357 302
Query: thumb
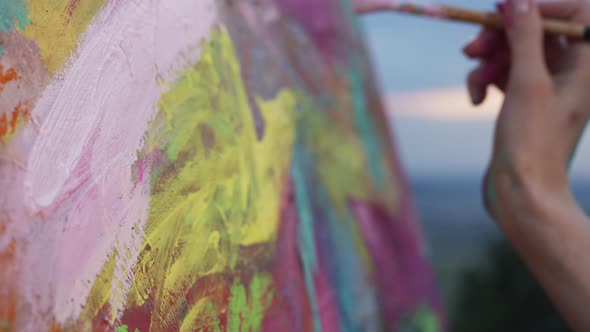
524 32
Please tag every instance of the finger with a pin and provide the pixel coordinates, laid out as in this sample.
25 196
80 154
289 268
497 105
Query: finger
475 87
563 9
560 9
494 72
525 38
502 80
555 53
485 43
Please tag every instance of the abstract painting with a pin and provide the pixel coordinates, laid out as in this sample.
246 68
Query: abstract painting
200 165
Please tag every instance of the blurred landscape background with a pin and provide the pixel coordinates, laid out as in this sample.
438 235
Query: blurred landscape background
445 144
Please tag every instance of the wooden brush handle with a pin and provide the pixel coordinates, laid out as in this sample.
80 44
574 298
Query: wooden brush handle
495 20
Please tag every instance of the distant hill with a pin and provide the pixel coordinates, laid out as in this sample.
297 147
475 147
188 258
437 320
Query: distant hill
457 228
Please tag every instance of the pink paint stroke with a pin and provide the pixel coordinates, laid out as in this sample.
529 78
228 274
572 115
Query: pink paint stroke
79 177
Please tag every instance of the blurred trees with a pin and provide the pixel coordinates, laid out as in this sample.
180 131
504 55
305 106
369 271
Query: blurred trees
503 296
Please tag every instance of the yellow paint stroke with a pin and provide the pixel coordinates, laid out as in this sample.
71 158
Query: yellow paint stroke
216 188
222 187
56 27
100 295
338 155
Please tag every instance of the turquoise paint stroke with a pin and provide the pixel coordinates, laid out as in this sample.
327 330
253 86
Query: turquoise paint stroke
356 294
307 249
361 114
12 11
353 18
365 127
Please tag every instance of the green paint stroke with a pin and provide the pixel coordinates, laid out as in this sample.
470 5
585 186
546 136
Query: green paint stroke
122 328
246 309
125 328
422 320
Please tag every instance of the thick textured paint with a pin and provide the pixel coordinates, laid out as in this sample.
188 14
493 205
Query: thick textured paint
57 27
115 46
210 174
105 208
226 186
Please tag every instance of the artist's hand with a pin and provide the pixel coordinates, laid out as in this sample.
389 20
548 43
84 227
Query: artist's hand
546 81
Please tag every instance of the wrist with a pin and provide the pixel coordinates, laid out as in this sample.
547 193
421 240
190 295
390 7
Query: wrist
526 196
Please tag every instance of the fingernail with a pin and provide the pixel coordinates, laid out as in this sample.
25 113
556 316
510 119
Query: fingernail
520 7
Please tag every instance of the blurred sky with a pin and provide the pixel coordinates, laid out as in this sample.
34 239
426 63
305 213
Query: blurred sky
422 73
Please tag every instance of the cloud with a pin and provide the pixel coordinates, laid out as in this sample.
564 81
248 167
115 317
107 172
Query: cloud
440 133
445 104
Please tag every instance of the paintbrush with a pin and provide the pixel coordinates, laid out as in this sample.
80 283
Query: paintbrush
573 31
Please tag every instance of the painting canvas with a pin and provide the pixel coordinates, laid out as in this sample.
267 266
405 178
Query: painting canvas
200 165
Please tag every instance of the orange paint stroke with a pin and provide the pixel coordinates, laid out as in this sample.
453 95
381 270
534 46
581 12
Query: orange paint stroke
9 121
7 76
9 296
